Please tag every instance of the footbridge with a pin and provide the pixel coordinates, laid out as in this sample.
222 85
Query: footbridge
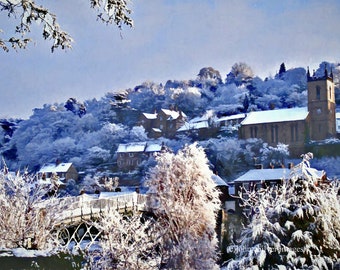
75 216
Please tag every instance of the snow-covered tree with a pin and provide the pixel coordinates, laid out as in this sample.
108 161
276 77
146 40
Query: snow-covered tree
25 220
209 77
292 226
27 12
184 200
240 73
127 242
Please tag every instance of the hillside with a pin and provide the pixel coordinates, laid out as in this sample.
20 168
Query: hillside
88 133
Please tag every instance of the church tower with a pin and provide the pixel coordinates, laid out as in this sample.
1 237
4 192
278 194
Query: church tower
321 106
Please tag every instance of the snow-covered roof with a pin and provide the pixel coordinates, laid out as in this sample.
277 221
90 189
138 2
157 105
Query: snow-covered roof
218 180
153 148
273 116
256 175
197 125
199 119
138 147
231 117
171 113
131 147
150 115
55 168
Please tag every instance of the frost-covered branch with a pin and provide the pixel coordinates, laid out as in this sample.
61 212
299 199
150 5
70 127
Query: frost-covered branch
23 220
185 201
292 225
110 11
127 242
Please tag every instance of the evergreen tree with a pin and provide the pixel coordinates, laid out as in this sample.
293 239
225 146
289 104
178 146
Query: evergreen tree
282 69
294 226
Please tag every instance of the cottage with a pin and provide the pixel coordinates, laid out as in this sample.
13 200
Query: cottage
130 155
64 171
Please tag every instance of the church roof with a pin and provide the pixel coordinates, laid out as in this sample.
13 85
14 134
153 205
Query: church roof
274 116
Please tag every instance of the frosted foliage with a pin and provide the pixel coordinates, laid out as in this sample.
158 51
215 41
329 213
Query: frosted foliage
185 201
109 11
296 224
50 135
23 222
128 242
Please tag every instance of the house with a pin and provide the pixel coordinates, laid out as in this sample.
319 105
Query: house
130 155
256 179
253 180
65 171
297 126
197 129
231 120
164 123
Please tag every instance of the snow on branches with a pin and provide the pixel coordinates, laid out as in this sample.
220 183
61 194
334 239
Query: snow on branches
109 11
185 200
294 225
25 219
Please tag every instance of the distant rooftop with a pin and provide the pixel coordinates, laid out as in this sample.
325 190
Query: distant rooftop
150 115
257 175
131 147
273 116
231 117
193 126
138 147
54 168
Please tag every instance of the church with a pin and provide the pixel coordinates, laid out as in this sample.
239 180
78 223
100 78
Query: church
297 126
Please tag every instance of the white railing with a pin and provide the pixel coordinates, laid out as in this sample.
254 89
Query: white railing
85 206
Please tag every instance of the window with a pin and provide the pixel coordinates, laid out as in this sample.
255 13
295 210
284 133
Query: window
275 133
253 132
131 154
318 90
294 134
330 92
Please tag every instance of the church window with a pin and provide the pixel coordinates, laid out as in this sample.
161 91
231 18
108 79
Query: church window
318 90
330 92
294 134
253 132
274 133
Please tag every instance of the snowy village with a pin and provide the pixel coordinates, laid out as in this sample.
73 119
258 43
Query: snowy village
247 171
222 170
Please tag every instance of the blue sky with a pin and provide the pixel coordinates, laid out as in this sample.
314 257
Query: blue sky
172 39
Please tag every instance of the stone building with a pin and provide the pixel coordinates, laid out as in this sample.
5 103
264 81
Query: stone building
131 155
297 126
164 123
